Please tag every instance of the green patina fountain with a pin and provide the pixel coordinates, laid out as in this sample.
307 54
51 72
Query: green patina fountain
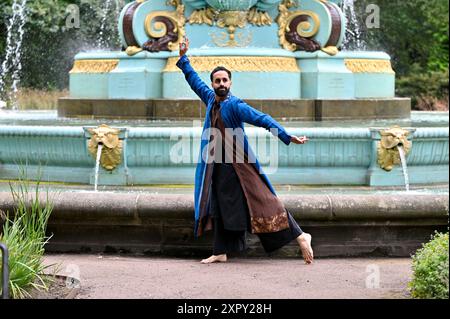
284 55
133 114
286 61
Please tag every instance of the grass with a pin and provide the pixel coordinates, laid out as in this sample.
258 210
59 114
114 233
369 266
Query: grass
32 99
24 235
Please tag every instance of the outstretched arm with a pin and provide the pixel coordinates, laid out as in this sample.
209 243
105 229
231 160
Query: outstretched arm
249 115
196 84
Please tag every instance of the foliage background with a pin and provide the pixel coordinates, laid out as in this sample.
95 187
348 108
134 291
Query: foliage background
49 46
414 33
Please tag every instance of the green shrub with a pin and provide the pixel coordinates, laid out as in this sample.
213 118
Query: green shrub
430 269
24 235
428 91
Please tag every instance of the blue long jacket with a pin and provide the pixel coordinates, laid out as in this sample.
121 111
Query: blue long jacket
234 113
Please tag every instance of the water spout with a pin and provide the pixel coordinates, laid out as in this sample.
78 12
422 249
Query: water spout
405 169
97 164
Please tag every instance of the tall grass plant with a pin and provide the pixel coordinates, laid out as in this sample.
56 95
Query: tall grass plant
24 233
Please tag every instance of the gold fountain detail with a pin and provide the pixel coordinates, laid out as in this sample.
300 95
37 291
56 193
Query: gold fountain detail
111 155
387 148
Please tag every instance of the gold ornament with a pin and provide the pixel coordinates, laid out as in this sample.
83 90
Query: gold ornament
369 66
232 20
387 148
258 18
303 28
132 50
111 155
157 29
237 64
201 16
94 66
330 50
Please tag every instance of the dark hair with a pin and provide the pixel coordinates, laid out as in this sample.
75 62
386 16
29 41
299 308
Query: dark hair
217 69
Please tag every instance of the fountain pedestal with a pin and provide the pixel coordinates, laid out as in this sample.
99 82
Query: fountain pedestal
282 56
312 86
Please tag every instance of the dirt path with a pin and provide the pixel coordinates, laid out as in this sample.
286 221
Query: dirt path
106 276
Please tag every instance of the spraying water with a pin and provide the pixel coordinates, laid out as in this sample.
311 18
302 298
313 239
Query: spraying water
105 38
119 5
353 35
405 170
101 38
97 164
12 64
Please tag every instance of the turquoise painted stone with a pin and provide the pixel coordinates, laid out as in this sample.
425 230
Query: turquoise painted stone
339 154
231 5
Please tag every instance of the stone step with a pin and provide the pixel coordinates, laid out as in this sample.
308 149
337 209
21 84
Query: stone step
341 225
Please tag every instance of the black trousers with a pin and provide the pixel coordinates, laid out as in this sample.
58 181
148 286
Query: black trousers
231 217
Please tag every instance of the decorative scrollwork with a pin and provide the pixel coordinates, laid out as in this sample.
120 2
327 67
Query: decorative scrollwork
259 18
204 15
163 33
223 39
295 29
232 20
369 66
166 29
231 14
238 63
94 66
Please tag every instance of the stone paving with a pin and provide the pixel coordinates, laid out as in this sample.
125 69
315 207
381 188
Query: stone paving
127 276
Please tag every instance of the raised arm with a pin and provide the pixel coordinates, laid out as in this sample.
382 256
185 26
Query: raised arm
249 115
197 85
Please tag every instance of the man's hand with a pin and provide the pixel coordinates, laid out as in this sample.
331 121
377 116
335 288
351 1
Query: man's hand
299 140
184 46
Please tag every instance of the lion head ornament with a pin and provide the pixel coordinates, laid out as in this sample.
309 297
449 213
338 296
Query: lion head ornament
108 137
388 153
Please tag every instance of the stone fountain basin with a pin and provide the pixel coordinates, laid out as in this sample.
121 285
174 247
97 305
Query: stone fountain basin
344 221
338 153
375 216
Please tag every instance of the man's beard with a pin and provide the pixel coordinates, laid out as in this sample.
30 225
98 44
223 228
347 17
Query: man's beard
221 91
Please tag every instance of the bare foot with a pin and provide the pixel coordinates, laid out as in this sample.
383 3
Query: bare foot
304 241
214 259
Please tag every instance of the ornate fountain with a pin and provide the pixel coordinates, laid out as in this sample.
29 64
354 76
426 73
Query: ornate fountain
284 55
131 119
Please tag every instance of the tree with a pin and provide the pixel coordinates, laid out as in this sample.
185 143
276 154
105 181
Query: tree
411 32
49 45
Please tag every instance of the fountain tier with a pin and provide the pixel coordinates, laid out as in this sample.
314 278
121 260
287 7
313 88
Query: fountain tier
282 56
165 152
285 62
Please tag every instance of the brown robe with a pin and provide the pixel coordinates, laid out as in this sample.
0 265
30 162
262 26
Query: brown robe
267 212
